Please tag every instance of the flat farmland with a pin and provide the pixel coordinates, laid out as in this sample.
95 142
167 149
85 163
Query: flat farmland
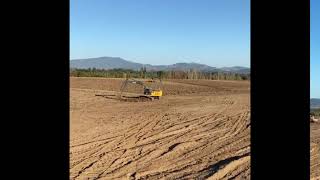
199 129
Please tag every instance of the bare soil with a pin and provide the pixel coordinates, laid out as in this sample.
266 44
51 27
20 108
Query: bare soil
315 151
198 130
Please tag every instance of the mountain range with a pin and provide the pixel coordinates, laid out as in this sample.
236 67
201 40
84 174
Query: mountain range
314 103
117 62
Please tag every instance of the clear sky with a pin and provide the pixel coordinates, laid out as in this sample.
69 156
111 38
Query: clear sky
315 48
212 32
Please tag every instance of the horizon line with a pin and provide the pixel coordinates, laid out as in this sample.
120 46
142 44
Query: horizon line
160 64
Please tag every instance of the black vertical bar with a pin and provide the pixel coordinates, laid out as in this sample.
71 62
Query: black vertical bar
280 59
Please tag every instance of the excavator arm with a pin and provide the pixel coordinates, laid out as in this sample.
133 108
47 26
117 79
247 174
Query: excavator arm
133 81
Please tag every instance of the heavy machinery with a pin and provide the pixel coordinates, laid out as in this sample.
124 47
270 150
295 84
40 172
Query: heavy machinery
149 93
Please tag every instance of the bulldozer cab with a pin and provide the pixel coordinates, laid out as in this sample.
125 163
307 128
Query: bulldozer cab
154 87
147 91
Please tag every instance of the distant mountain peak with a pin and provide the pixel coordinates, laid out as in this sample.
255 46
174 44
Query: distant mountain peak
106 62
314 103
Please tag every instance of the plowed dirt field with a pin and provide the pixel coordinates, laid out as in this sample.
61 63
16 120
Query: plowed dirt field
197 130
315 151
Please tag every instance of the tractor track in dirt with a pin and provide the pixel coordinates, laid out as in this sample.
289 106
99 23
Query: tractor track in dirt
186 136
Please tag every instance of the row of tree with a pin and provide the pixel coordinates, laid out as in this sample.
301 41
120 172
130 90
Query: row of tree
315 112
142 73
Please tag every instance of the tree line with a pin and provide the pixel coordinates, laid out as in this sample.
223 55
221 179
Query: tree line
315 112
143 73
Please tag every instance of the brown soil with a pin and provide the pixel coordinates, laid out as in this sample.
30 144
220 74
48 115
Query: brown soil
315 151
198 130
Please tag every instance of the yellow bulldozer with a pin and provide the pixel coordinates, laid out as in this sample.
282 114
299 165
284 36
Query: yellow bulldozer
149 93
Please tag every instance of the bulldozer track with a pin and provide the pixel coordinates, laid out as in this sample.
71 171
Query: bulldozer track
178 137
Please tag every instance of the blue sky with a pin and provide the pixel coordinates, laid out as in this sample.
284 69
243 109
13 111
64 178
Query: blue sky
212 32
315 48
